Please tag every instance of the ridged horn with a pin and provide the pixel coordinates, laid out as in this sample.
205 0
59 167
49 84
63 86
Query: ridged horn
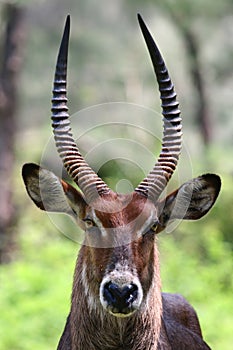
155 182
88 181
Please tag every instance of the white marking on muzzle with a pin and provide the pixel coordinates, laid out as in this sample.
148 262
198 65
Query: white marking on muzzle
121 276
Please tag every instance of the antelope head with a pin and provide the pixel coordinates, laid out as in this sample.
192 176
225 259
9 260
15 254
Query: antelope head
118 261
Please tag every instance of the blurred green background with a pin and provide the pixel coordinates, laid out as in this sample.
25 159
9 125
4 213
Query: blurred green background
109 63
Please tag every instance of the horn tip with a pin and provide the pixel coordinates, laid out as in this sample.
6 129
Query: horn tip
68 20
67 26
139 17
141 22
63 51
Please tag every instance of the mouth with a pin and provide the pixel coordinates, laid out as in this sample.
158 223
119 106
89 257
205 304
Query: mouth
122 313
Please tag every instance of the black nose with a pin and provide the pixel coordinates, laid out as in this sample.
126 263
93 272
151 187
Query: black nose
120 299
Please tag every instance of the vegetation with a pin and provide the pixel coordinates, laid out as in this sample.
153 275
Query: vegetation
108 62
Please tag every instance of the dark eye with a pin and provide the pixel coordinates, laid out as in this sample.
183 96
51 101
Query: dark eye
89 223
152 228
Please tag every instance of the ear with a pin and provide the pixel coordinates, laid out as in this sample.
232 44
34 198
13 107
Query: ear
191 201
50 193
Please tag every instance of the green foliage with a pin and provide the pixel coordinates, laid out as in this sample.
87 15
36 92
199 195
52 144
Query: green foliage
35 292
206 282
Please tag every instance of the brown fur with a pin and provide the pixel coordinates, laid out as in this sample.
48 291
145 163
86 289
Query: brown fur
120 246
162 321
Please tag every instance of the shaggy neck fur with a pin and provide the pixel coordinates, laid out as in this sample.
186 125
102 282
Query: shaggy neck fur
94 328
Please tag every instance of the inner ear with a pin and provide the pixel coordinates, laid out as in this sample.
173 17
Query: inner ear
191 201
50 193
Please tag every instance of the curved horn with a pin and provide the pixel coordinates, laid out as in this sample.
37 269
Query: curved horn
155 182
88 181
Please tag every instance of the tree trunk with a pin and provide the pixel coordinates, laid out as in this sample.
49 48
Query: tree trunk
11 63
181 20
202 112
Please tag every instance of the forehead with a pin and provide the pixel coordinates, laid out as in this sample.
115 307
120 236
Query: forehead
122 210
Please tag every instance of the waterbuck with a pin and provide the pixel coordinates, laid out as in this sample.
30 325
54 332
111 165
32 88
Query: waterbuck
116 296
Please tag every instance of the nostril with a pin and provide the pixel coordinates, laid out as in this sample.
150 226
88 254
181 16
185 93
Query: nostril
130 292
110 292
120 296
